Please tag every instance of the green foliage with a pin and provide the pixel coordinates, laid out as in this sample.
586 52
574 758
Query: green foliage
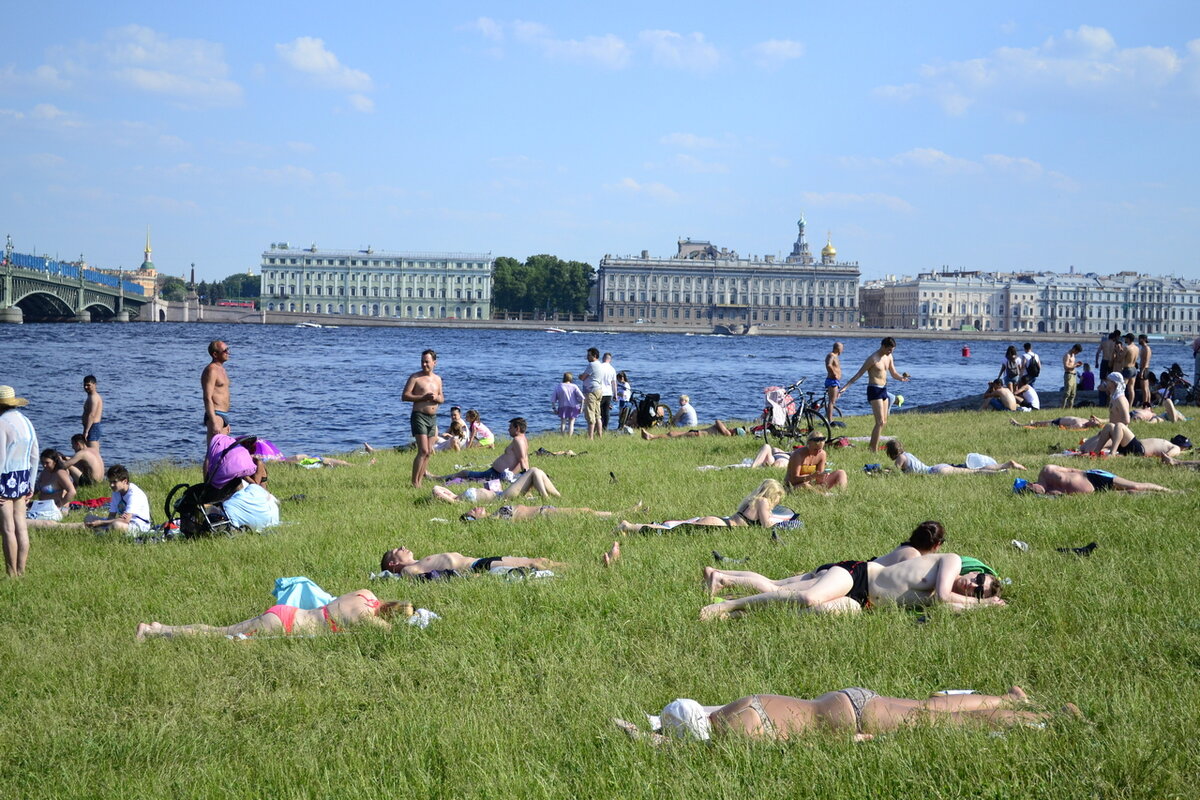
509 694
544 283
172 288
240 286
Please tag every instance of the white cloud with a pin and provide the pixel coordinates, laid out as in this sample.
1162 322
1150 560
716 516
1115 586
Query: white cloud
843 199
42 78
360 102
608 51
46 111
489 29
1029 170
309 56
1082 65
301 147
774 53
191 71
287 174
45 160
689 141
677 51
930 158
657 191
693 164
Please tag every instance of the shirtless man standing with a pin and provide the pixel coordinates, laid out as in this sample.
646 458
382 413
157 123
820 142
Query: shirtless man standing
1126 363
833 379
1070 379
93 409
878 366
214 385
1105 354
1143 374
424 391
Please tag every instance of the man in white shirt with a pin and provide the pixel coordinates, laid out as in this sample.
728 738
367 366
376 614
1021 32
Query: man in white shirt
686 415
1026 359
129 508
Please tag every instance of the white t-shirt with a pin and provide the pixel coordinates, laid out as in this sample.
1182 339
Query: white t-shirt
252 506
687 415
1031 396
133 502
604 377
1027 357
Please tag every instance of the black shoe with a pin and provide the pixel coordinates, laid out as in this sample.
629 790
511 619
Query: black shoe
613 476
1086 550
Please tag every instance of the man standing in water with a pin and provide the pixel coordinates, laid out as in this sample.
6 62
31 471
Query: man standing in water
424 391
214 384
878 366
833 379
93 409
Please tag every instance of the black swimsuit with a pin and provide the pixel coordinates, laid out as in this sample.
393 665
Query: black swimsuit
1100 480
859 592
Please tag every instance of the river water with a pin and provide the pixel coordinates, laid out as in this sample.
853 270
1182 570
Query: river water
324 391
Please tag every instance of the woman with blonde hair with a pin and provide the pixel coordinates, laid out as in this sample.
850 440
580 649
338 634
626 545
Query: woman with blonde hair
757 509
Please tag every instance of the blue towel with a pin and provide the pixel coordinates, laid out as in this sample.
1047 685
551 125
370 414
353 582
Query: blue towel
301 593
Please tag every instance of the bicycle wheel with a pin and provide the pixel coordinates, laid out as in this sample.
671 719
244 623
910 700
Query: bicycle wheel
780 436
763 426
814 421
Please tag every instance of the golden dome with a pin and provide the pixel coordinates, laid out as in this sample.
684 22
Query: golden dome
828 249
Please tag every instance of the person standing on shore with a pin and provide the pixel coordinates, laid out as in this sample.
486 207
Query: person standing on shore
1105 355
1126 363
877 367
1070 379
592 393
18 468
1144 374
1031 365
93 409
214 384
833 379
424 391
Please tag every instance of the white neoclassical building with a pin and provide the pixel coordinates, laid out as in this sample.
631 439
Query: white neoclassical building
377 283
704 287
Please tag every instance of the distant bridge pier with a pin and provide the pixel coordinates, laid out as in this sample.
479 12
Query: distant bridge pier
12 315
82 316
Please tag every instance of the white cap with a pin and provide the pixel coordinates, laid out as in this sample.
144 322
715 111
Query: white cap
683 718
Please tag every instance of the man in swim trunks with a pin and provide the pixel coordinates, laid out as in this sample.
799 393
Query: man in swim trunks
1126 363
401 561
1106 353
1054 479
514 459
833 379
93 409
877 367
214 385
424 390
914 582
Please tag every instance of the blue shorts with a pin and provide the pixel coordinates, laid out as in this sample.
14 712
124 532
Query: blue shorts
488 474
876 392
15 484
996 404
95 433
831 383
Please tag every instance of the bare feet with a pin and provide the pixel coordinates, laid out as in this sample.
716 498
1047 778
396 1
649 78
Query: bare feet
1073 710
645 434
712 580
626 528
714 611
639 735
368 448
140 634
1166 459
1017 696
1014 422
610 558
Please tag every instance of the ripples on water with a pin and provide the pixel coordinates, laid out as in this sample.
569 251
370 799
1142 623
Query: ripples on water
326 391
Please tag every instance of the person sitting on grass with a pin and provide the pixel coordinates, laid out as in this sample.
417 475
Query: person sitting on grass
401 561
926 538
909 463
356 608
718 428
851 586
769 456
478 434
806 468
1055 480
53 490
757 509
128 509
514 459
533 480
1069 423
455 438
86 466
856 711
998 397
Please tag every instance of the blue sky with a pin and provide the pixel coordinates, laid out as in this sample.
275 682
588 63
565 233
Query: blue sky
1000 136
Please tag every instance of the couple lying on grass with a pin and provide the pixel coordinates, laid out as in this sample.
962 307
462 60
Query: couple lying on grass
913 574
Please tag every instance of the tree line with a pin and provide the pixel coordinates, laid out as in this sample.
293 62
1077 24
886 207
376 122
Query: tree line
238 286
543 283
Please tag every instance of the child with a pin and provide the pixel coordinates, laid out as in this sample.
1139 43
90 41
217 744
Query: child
479 434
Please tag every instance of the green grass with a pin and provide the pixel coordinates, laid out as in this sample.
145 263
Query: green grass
510 693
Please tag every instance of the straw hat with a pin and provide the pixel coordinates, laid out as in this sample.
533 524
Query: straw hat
9 399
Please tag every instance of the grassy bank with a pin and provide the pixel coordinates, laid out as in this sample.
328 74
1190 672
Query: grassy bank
509 694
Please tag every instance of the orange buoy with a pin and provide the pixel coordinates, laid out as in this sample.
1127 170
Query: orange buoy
966 351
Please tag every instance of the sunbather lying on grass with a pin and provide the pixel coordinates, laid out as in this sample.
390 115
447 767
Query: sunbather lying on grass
757 509
926 538
857 711
532 480
907 462
401 561
1054 479
361 607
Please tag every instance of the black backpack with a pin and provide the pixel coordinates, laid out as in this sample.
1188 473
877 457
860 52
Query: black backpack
1034 367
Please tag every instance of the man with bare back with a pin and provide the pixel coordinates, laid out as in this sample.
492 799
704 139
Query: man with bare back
1105 356
424 391
93 410
214 384
1144 373
877 367
833 379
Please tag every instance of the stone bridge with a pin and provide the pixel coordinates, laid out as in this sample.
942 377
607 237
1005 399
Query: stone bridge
51 291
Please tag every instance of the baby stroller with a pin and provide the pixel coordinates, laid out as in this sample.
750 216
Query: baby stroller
646 413
196 508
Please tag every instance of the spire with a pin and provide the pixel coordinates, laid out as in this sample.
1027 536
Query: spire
800 253
147 262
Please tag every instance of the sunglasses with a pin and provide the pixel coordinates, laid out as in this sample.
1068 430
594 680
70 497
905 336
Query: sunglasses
979 581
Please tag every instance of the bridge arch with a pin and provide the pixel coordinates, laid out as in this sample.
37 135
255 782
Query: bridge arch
38 306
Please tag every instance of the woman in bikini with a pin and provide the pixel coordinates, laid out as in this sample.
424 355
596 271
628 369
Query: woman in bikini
926 538
861 712
806 467
55 490
756 509
532 480
356 608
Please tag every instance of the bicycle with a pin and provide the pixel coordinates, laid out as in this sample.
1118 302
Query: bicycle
644 411
801 414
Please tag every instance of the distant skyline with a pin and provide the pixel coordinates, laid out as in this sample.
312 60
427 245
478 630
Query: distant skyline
1019 136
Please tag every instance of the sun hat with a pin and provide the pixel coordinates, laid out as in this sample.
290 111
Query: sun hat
8 398
683 718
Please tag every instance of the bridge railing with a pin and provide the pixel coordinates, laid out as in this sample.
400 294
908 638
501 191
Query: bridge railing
65 270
